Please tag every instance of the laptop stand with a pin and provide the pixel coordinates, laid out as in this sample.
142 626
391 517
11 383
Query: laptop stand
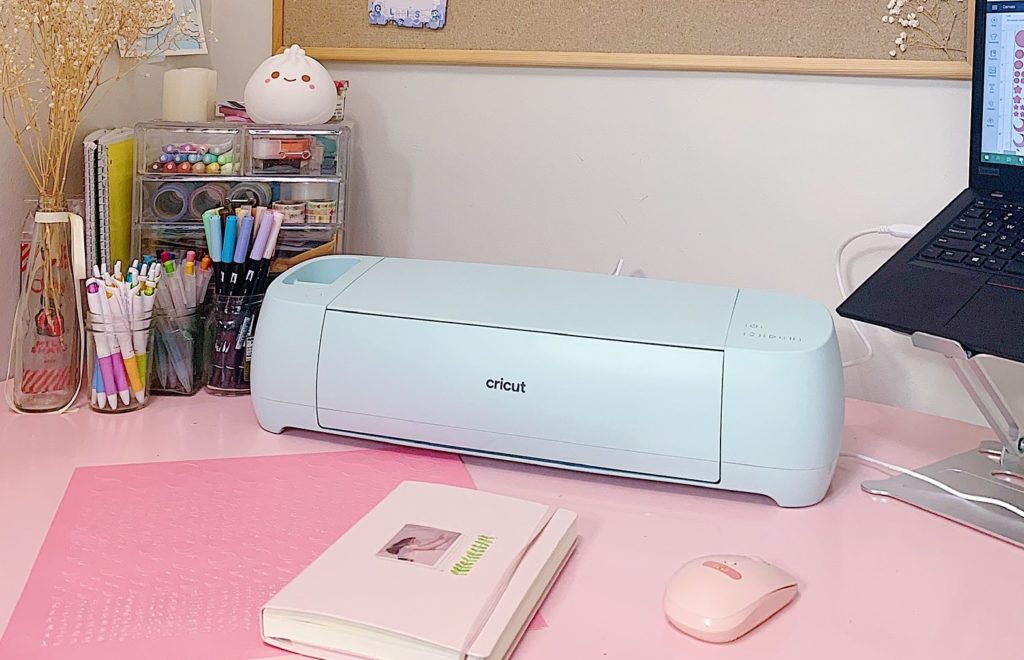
994 469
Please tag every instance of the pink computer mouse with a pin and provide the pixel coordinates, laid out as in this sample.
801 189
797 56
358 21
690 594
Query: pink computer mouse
723 597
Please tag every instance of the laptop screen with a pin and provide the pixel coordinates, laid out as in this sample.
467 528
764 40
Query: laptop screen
1002 132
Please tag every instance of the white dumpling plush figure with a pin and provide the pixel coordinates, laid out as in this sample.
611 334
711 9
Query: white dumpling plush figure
290 88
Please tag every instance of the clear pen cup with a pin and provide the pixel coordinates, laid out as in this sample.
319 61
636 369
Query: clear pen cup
230 331
118 357
177 363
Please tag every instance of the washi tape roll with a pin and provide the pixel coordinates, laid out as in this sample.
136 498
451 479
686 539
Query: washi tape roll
204 198
221 148
320 211
293 210
253 193
170 202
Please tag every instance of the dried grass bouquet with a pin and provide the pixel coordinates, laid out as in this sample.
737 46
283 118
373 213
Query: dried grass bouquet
53 60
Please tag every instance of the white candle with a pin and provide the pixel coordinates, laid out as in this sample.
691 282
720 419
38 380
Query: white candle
211 90
189 95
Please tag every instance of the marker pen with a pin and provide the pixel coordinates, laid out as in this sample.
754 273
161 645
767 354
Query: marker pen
176 287
228 253
117 316
142 308
241 247
205 273
99 395
115 381
257 215
189 280
259 247
268 255
211 223
104 362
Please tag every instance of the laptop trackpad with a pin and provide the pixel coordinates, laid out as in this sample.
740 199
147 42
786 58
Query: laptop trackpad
993 321
920 297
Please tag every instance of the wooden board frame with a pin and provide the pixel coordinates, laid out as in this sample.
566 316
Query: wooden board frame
665 62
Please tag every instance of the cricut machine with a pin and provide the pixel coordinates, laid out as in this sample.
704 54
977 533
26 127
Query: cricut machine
725 388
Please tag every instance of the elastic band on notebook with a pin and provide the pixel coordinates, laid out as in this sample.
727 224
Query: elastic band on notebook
499 590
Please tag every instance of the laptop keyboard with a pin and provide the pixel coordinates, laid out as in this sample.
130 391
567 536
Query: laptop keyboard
988 236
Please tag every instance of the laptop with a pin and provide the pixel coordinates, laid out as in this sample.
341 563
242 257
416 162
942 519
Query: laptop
962 277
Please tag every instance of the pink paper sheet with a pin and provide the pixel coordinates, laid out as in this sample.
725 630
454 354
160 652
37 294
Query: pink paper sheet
173 560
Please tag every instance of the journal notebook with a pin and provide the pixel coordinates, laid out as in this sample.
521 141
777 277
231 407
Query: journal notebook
432 572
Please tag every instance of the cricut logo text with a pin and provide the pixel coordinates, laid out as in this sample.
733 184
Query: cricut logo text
507 386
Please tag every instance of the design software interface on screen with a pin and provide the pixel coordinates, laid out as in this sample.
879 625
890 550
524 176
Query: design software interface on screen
1002 135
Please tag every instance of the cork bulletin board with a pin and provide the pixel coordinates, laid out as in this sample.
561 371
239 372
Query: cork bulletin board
908 38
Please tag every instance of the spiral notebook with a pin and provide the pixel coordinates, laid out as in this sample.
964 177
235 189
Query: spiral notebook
109 163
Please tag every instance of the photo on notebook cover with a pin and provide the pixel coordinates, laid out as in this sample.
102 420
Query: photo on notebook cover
419 544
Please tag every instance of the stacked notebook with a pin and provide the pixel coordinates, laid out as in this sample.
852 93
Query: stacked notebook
109 162
432 572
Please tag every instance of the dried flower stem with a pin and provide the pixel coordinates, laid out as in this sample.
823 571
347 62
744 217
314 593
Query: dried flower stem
936 43
53 54
941 16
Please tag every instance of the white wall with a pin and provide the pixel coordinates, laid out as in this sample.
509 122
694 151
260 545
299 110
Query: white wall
745 180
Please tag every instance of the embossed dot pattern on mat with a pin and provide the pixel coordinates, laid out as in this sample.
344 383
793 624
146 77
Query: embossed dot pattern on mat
174 560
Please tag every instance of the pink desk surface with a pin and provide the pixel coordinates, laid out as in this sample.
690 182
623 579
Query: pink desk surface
878 578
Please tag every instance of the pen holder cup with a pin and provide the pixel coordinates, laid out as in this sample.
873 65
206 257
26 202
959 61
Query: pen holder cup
118 353
230 332
177 363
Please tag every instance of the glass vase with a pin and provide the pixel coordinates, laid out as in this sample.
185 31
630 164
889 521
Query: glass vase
46 345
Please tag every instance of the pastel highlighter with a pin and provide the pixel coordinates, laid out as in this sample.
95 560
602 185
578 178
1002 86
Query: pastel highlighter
104 353
120 377
140 334
126 357
99 394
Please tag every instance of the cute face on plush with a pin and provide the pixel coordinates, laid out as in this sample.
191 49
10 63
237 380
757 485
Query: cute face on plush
290 88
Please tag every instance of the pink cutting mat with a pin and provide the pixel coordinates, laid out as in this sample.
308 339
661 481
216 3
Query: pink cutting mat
173 560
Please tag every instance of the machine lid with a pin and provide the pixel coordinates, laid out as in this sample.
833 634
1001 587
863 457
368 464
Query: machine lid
559 302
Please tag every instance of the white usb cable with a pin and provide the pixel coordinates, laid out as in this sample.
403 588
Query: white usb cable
900 231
